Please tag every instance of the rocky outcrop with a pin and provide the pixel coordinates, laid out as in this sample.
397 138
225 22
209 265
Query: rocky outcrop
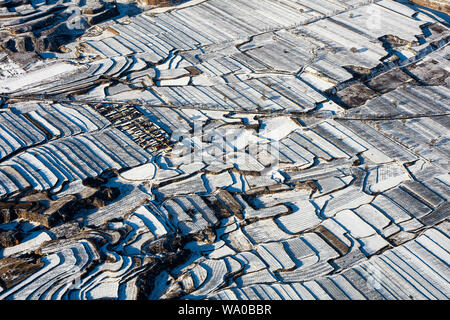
47 26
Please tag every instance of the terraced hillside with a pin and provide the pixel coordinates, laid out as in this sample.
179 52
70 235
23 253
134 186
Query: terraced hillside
236 149
46 25
440 5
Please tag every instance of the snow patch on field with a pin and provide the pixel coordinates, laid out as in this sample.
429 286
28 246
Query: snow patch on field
36 76
278 128
145 172
30 243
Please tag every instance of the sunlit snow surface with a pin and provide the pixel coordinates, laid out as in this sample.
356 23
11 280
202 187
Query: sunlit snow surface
227 150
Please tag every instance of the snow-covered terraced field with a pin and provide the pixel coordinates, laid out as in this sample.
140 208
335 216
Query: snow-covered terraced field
250 150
